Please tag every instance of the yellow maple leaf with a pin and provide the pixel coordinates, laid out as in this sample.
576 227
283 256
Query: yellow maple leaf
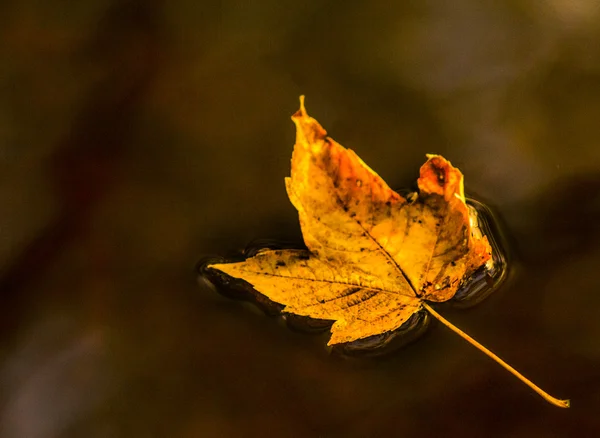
374 258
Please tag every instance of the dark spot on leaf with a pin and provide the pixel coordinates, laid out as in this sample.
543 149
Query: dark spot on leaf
440 173
388 203
303 256
279 263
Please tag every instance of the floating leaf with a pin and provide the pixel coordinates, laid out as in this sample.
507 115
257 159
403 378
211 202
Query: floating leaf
374 257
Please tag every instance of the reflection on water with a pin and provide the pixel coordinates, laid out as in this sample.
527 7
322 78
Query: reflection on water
472 290
490 277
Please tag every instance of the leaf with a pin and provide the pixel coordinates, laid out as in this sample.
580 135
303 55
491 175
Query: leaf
374 258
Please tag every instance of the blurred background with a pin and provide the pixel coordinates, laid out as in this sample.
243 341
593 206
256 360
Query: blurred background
137 137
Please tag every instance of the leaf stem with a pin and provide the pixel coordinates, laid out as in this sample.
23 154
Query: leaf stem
544 394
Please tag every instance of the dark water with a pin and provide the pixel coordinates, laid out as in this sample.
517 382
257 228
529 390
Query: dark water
138 137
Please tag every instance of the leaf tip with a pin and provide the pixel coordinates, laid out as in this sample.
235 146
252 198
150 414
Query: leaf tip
301 113
308 129
440 177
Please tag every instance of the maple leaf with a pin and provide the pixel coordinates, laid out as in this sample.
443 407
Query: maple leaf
374 258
